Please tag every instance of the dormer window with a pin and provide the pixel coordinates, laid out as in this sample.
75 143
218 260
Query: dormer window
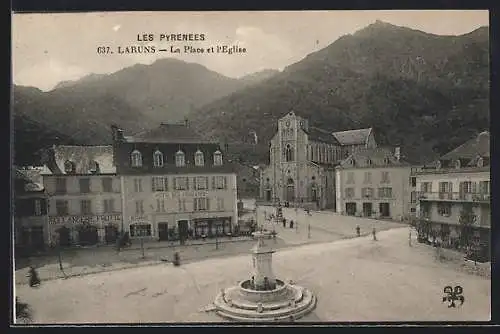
198 158
438 164
180 159
136 158
480 162
69 167
457 164
94 167
157 159
218 158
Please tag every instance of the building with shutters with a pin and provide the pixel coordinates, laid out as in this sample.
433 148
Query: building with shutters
176 185
302 162
84 195
30 212
454 195
374 183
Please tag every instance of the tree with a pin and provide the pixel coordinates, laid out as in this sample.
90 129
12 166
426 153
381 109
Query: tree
466 220
24 314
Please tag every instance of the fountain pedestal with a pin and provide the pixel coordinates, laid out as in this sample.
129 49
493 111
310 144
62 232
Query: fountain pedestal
264 298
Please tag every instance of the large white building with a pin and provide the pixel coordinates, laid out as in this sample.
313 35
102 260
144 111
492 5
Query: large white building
175 184
302 162
454 198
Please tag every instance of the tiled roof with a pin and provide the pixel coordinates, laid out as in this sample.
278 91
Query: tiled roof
168 133
352 137
82 157
472 149
372 157
317 134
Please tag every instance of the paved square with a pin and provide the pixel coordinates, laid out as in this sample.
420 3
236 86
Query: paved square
355 280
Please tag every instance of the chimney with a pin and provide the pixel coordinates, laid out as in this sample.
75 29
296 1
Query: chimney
117 133
397 153
186 121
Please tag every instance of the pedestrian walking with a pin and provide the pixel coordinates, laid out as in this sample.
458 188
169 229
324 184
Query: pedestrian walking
409 238
284 222
358 231
177 259
374 233
34 278
291 223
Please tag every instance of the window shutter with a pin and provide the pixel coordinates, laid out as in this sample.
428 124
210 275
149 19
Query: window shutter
225 182
165 180
208 203
175 183
450 187
461 187
213 182
474 187
187 183
194 183
195 204
153 188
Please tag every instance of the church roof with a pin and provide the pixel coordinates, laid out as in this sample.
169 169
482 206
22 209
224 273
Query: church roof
320 135
353 137
169 133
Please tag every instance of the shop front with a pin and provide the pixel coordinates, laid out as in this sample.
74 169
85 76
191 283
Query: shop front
211 227
84 230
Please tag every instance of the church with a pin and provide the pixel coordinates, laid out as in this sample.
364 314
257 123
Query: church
302 162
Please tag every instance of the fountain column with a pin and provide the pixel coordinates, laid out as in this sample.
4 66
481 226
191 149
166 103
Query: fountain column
262 263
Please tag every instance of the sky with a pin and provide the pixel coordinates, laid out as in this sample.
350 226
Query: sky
49 48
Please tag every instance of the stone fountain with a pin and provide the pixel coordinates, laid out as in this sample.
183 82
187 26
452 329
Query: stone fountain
264 298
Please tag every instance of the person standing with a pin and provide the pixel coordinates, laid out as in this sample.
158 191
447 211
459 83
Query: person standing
358 231
374 233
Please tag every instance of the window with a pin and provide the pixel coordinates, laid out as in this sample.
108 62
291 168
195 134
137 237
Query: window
385 177
368 177
157 159
349 192
69 167
107 185
182 205
413 197
38 207
159 183
61 185
413 181
109 205
140 230
180 160
350 178
387 161
467 187
201 204
444 209
369 162
85 207
426 187
457 163
288 153
181 183
139 207
219 182
198 158
218 158
367 192
137 185
385 192
220 204
484 187
160 205
94 167
136 158
200 183
445 187
62 208
84 185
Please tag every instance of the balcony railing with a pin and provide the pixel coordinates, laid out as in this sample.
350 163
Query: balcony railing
454 196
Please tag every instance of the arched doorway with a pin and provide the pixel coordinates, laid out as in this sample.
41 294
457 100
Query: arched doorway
290 190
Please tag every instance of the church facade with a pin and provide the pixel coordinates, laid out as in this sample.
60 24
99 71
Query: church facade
302 162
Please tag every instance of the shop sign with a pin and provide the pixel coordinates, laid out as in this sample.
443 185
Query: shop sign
97 219
180 194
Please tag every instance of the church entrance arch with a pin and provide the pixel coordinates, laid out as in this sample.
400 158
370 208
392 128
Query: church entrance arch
290 190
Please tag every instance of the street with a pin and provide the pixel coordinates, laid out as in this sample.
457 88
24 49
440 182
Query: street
355 280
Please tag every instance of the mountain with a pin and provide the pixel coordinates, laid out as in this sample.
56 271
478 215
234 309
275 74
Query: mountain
136 98
257 77
423 92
